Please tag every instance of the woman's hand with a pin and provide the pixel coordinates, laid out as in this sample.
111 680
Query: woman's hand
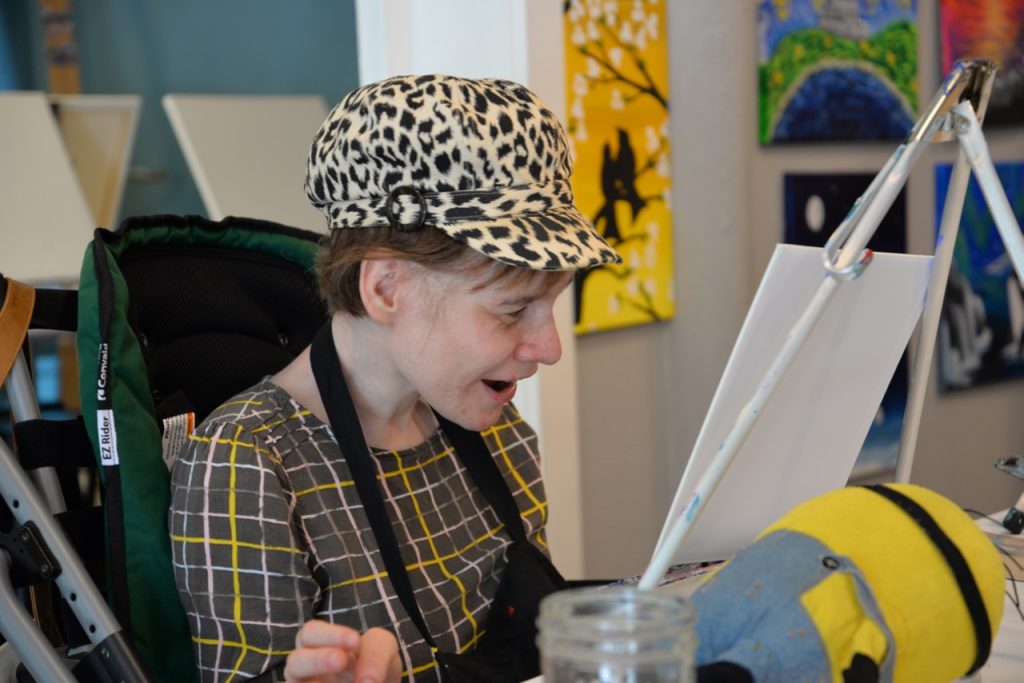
328 653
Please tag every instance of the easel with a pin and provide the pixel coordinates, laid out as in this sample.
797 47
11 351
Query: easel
955 113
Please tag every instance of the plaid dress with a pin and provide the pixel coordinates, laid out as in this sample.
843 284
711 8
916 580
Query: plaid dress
268 532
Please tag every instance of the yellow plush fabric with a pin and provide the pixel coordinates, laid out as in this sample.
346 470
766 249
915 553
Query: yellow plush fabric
910 579
836 610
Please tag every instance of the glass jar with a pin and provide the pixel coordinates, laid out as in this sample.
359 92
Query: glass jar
616 635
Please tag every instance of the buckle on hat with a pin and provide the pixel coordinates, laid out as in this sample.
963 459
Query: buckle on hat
393 219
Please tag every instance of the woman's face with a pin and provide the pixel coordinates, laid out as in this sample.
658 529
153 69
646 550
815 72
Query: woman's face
464 346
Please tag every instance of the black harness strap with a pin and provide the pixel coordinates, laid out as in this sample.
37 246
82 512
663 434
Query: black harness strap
345 424
961 570
469 448
56 309
54 443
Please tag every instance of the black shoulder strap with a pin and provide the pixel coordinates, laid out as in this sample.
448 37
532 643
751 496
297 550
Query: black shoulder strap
345 424
469 448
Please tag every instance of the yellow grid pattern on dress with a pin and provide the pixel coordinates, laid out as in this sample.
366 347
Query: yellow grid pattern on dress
268 531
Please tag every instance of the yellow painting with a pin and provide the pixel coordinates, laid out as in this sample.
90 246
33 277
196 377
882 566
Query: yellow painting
616 60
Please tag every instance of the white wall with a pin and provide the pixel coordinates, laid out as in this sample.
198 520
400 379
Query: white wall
644 391
481 39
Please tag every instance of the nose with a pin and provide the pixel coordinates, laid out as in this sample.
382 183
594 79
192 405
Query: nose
540 345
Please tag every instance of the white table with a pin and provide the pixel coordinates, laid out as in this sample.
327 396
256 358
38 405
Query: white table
1006 664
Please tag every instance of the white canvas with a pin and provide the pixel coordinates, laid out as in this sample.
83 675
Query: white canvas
247 153
99 133
809 434
45 223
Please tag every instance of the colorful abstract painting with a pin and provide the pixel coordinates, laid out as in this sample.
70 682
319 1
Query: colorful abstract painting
988 29
837 69
616 67
814 206
981 331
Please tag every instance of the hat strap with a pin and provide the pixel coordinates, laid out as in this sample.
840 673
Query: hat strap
407 207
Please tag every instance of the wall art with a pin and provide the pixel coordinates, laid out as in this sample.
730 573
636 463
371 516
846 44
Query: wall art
837 69
616 65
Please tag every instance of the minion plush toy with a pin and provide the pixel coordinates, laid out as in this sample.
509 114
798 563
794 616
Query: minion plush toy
863 584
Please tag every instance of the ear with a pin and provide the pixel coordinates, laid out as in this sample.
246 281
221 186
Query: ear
380 280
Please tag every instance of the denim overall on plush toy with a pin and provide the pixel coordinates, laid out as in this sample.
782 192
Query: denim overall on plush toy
881 584
780 640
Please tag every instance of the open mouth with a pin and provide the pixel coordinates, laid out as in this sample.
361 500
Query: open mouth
497 384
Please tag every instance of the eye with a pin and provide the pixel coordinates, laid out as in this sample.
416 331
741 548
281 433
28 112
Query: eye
516 314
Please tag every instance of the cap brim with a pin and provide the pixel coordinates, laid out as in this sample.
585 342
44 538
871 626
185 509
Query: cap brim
557 239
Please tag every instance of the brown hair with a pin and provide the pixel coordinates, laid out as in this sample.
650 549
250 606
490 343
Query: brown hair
338 263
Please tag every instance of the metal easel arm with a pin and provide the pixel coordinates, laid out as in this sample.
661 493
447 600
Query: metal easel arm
968 131
929 325
968 82
965 92
844 259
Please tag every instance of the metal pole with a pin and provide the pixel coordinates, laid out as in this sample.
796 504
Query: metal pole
24 635
864 219
973 142
973 155
21 394
73 581
923 352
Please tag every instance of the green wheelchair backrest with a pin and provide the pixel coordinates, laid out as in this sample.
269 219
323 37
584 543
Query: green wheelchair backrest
176 314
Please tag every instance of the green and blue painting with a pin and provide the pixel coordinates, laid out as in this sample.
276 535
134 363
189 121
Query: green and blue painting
981 330
837 69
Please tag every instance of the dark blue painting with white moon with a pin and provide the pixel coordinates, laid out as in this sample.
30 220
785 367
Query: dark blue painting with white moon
814 206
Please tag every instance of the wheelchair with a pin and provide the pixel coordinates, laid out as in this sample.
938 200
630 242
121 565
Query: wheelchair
172 316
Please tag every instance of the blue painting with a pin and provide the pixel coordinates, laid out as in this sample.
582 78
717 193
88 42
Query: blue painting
837 69
814 206
982 325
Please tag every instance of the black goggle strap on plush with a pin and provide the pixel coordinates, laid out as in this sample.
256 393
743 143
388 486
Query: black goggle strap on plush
961 570
469 448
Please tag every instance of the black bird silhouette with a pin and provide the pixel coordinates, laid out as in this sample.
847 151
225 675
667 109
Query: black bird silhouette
618 183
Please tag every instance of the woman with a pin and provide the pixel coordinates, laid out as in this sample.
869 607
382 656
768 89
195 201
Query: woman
327 510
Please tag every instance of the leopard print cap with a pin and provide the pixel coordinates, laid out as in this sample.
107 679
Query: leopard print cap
483 160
